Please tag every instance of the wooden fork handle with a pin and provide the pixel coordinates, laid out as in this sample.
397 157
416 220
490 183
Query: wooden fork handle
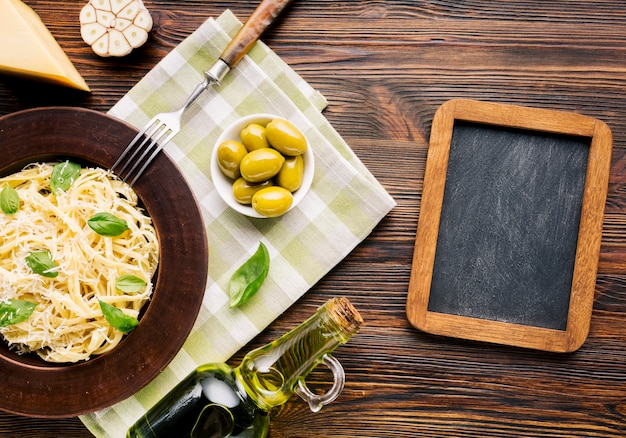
262 17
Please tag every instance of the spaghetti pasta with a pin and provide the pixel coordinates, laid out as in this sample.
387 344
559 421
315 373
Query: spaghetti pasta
67 324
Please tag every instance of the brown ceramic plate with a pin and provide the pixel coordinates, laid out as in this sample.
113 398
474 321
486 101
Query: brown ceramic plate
33 387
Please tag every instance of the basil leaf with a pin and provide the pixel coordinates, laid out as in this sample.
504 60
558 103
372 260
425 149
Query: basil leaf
107 224
40 262
247 280
117 318
63 176
130 283
9 200
15 311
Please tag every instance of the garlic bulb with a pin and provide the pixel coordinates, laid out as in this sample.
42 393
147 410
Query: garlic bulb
115 27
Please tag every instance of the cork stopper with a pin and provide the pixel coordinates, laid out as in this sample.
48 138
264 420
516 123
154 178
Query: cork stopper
345 315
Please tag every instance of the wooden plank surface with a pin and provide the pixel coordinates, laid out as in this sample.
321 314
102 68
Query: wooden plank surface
385 67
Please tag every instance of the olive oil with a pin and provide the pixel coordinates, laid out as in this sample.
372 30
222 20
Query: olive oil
219 401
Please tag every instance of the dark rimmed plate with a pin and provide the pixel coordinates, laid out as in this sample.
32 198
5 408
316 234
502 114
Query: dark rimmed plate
33 387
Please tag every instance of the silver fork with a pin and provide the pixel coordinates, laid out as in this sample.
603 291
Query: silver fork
147 144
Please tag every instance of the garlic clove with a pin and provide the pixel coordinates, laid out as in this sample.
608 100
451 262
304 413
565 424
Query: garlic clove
143 20
135 35
88 14
118 5
122 23
104 5
130 11
118 45
91 32
105 18
101 45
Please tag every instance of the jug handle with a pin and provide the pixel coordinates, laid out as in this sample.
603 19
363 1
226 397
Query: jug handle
316 401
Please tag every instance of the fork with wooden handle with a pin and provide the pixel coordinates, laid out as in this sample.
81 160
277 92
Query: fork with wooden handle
164 126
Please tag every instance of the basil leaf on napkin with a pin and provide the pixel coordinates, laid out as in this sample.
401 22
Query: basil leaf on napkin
117 318
63 176
40 262
15 311
107 224
9 200
247 280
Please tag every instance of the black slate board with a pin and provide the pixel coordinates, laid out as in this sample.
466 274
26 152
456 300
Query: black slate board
509 225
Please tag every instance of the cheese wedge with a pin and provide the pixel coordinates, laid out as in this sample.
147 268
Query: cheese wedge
28 49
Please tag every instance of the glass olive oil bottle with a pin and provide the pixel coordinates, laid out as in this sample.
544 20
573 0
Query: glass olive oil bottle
219 401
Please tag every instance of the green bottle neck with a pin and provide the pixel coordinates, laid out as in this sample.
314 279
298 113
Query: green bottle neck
270 374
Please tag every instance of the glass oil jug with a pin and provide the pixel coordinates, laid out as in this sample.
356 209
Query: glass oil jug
218 401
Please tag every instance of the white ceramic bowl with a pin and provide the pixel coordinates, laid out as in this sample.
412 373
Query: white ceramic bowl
224 185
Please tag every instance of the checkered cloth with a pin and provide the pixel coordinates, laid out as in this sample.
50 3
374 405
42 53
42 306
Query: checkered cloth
343 206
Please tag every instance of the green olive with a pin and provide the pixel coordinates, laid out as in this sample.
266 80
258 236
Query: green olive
229 156
244 190
261 164
291 174
285 137
272 201
253 137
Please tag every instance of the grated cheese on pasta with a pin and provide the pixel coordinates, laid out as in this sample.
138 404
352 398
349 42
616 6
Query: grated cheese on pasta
67 324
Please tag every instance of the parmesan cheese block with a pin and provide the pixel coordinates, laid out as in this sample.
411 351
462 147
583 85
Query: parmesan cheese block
27 48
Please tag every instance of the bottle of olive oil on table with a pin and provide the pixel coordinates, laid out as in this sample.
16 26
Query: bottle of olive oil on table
219 401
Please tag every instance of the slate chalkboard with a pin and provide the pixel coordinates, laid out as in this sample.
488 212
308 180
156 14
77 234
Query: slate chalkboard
510 224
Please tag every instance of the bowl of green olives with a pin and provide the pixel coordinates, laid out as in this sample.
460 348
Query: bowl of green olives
262 165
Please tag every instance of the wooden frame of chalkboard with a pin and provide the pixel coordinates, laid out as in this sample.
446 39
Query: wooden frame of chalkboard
508 237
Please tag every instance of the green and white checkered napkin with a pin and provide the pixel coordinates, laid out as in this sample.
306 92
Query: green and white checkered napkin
343 206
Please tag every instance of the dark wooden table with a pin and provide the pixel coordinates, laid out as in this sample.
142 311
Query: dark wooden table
385 67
